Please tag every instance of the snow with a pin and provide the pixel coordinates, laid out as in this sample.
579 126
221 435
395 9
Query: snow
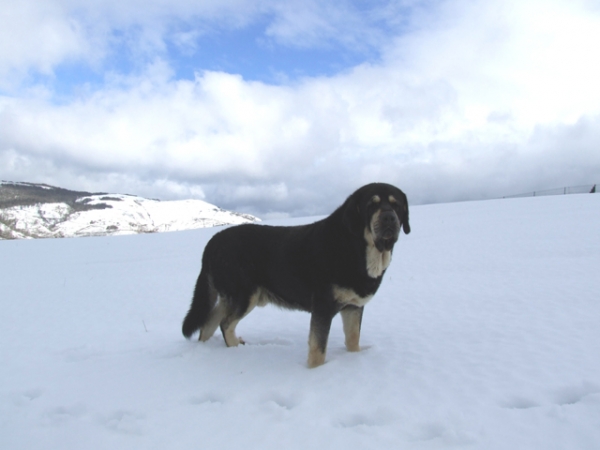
485 334
125 214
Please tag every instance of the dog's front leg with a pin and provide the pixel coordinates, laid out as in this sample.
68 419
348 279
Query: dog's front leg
320 323
352 318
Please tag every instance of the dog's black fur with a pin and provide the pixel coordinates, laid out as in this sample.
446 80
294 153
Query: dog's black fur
330 266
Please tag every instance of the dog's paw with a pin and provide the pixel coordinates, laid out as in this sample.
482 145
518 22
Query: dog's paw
353 347
315 359
234 341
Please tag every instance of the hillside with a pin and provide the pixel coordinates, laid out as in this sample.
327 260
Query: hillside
30 210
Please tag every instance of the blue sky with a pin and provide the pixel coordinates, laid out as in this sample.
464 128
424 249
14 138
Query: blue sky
284 108
243 51
252 48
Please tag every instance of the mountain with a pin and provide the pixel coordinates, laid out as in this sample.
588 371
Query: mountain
29 210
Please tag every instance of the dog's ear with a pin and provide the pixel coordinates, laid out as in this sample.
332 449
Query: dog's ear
405 224
352 217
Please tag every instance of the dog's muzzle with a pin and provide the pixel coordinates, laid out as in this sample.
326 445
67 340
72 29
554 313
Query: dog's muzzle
386 230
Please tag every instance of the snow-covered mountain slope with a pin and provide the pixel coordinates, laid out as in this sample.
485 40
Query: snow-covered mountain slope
484 335
38 211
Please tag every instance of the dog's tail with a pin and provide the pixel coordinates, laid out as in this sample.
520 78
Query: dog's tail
205 297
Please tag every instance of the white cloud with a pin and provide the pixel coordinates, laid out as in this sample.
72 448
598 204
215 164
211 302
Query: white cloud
534 58
37 35
478 99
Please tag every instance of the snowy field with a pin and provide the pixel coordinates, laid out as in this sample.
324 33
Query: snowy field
485 334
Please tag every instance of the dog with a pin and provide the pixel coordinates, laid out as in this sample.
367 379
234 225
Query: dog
330 266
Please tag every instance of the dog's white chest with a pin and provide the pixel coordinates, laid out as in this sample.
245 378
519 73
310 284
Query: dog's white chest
347 296
377 261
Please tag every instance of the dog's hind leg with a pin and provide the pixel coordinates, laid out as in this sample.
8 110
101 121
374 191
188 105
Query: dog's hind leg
320 324
352 318
214 319
228 330
231 320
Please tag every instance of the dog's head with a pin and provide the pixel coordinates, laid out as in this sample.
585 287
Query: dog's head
377 211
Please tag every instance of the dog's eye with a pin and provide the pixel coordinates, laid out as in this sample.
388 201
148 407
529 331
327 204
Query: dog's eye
374 201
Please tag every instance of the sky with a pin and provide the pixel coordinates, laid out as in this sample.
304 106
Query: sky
285 108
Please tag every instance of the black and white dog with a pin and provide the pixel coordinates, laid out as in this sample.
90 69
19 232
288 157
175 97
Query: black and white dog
330 266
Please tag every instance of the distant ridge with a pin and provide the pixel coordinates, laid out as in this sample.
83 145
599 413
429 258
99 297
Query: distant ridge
30 210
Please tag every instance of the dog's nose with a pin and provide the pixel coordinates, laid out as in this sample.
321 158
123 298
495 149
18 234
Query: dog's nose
388 218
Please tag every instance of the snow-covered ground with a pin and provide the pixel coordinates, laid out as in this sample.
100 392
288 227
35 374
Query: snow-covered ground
484 335
122 214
